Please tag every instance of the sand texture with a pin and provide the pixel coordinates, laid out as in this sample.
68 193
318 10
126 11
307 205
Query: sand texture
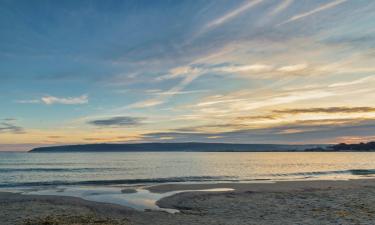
313 202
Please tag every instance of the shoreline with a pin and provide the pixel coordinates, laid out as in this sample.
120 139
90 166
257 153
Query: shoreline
265 186
286 202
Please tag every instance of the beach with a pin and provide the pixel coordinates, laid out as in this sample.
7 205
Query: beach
152 112
289 202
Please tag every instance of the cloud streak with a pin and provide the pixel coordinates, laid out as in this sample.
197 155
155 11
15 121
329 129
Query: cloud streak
314 11
51 100
163 97
231 15
8 127
327 110
281 7
354 82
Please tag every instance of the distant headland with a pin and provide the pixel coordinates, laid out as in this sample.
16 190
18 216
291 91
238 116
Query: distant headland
206 147
177 147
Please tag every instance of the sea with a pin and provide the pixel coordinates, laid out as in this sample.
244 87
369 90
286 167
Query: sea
101 176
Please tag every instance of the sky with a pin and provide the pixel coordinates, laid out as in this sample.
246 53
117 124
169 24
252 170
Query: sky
247 71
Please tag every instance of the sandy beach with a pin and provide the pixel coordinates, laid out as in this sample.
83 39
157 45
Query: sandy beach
305 202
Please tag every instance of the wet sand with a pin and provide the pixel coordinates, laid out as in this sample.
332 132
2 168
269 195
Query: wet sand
305 202
279 186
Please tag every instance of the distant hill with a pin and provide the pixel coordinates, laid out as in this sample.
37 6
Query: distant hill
369 146
343 147
175 147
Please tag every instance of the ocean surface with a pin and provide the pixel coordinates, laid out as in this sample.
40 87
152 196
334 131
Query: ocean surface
102 177
127 168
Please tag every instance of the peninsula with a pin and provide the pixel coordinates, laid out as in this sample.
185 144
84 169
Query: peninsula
176 147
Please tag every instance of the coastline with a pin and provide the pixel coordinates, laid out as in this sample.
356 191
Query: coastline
266 186
287 202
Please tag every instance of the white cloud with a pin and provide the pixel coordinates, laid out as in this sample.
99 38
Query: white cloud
49 100
314 11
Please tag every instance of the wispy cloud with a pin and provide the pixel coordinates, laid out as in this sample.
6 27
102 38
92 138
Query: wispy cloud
114 139
181 71
292 68
280 7
225 61
232 14
245 68
257 108
117 121
280 115
50 100
10 119
146 103
327 110
257 118
8 126
354 82
31 101
158 92
316 131
314 11
259 70
163 97
243 100
266 69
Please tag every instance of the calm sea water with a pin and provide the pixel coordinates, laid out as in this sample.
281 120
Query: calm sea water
51 169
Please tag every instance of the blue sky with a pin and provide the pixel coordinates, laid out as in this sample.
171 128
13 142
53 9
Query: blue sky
259 71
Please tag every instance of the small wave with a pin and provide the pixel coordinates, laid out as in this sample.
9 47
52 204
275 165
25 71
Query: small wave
9 170
322 173
362 172
42 164
124 181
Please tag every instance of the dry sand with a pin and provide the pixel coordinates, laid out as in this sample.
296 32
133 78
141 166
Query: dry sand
307 202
